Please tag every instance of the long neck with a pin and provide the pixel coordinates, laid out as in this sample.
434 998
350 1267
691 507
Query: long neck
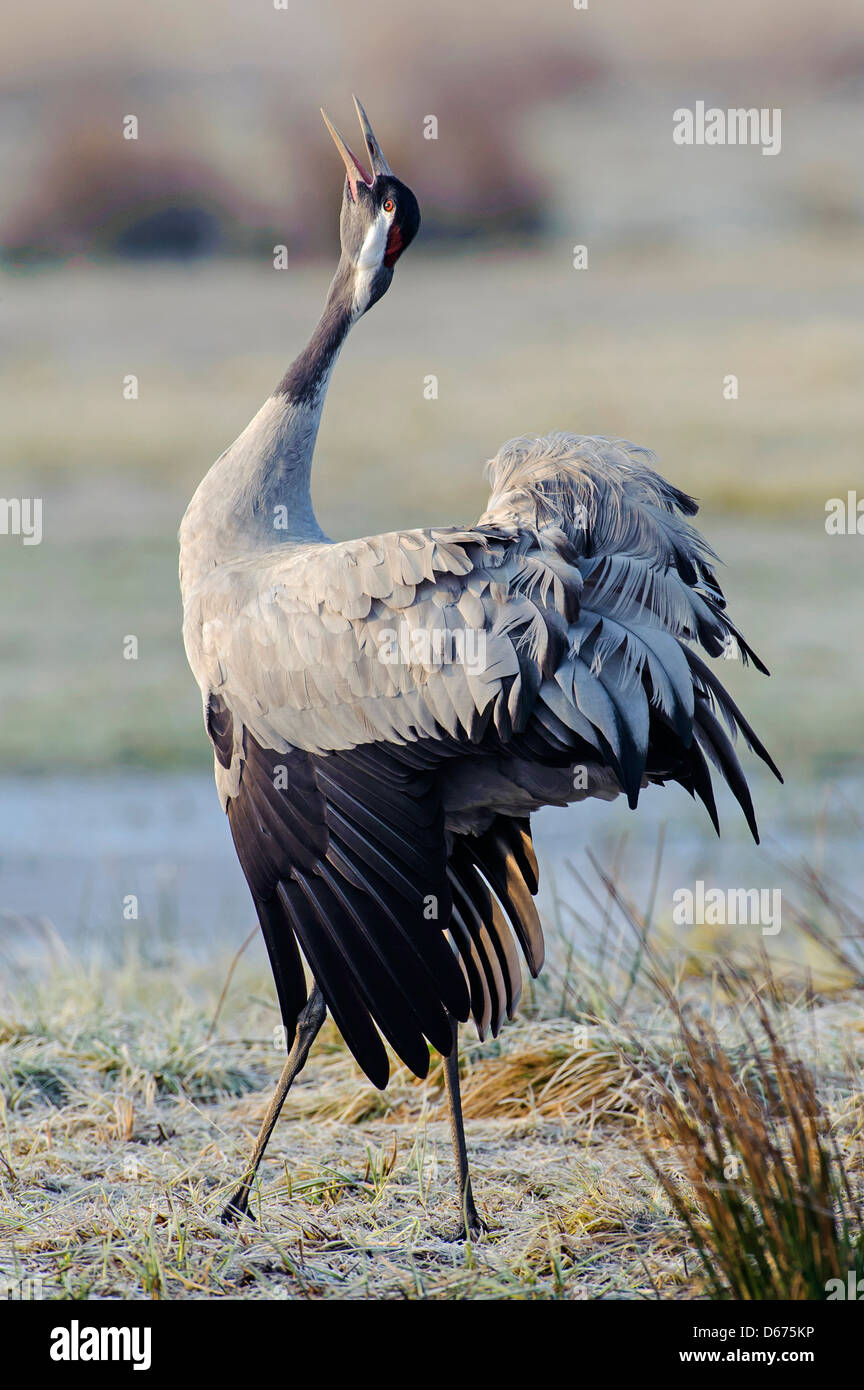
285 430
257 495
305 382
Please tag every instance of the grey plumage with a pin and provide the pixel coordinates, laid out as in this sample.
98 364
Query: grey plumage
387 712
582 585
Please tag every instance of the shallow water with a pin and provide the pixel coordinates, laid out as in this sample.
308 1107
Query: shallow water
76 848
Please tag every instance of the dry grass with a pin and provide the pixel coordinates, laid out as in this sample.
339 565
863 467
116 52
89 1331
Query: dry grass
122 1130
123 1123
770 1207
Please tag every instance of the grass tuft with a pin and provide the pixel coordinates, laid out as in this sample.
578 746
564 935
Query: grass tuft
771 1210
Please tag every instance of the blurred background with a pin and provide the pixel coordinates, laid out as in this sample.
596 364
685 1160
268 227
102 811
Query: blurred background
154 258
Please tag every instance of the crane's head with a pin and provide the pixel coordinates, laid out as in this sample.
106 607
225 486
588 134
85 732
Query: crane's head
380 217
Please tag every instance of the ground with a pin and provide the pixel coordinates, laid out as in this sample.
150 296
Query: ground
131 1104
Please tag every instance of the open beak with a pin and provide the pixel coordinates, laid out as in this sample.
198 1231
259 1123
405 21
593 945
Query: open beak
377 163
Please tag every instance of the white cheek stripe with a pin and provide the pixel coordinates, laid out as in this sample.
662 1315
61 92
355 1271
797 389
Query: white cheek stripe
369 260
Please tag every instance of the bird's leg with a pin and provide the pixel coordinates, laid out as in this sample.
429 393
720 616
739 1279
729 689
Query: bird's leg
472 1224
308 1025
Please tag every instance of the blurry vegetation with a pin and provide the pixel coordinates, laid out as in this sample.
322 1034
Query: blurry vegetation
177 191
98 196
543 114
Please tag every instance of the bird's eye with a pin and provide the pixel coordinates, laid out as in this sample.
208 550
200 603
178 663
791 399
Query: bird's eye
388 205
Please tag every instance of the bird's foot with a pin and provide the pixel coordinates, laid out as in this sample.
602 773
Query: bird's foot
473 1228
238 1207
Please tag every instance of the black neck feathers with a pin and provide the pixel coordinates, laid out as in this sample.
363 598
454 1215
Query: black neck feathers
303 381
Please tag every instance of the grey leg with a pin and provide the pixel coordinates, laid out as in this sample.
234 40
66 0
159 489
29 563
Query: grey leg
308 1026
472 1224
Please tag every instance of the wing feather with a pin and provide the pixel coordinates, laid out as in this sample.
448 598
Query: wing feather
559 629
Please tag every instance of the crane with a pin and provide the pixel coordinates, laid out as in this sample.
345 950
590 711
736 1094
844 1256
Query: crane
387 712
